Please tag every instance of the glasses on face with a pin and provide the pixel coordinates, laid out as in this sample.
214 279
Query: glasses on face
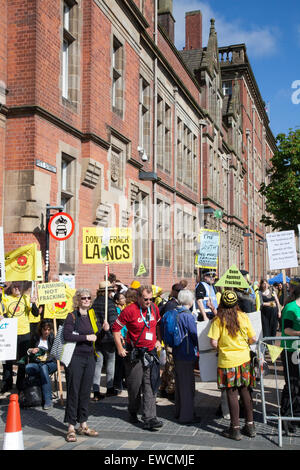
86 298
147 299
46 328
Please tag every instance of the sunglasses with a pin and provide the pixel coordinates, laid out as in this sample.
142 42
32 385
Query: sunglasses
86 298
147 299
46 328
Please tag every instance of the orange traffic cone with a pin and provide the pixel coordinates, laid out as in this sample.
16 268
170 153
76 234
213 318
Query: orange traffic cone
13 437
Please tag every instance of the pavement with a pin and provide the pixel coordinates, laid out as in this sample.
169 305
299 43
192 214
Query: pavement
45 430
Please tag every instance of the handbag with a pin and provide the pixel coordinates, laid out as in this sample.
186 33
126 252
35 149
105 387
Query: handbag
31 396
62 350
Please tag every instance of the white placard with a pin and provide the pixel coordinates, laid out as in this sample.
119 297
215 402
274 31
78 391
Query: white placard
8 339
2 262
68 279
208 364
255 318
202 331
282 250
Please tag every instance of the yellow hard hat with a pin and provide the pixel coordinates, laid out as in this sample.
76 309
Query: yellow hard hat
156 290
135 284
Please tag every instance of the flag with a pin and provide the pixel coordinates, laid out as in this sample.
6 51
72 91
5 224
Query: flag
274 351
141 270
20 264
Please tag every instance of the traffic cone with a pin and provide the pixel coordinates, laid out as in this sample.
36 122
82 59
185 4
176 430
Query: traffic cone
13 436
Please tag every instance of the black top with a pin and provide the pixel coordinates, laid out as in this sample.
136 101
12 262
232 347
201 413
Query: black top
83 327
112 315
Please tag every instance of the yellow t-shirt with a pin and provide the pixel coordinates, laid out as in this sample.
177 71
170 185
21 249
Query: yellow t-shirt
235 351
22 313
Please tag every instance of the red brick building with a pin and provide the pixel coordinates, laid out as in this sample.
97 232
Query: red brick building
102 115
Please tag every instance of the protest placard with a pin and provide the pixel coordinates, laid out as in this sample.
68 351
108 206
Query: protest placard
8 339
106 246
49 292
233 278
282 250
207 254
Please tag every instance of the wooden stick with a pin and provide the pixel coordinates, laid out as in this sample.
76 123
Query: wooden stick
106 292
58 368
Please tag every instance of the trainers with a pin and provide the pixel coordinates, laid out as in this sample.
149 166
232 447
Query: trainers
152 424
232 433
249 430
47 406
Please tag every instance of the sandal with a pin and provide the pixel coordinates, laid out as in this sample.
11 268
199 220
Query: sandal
71 437
87 432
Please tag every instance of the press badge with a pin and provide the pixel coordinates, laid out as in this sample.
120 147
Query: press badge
149 336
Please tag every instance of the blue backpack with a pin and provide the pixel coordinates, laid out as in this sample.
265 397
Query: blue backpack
172 335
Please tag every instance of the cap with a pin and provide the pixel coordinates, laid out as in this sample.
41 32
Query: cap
103 284
208 272
229 298
135 284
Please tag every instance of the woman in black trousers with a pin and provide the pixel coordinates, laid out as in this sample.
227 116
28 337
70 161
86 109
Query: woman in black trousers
80 326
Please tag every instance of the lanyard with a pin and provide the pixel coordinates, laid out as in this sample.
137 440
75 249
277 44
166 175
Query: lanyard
145 319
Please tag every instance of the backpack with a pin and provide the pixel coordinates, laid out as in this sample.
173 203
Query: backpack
171 333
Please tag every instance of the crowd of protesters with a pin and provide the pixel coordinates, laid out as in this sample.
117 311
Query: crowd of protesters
121 328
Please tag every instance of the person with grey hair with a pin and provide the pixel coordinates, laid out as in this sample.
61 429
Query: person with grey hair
80 327
184 359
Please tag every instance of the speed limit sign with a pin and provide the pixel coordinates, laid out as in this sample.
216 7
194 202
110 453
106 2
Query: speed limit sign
61 226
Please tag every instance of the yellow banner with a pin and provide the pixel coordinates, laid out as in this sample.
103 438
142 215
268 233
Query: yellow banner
20 264
106 245
274 351
51 292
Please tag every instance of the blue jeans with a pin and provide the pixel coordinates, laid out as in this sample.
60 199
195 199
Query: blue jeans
43 372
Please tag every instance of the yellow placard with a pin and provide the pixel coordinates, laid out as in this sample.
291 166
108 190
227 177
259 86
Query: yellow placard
141 270
233 278
274 351
98 250
51 292
20 264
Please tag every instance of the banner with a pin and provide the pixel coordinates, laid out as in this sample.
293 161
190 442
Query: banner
8 339
20 264
106 246
207 253
2 263
282 250
51 292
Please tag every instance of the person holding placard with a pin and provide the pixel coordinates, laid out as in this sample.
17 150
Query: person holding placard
18 305
231 333
206 295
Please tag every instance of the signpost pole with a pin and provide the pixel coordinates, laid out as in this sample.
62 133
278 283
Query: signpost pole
106 292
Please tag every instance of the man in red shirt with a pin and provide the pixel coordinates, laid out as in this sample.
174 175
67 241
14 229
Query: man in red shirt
143 336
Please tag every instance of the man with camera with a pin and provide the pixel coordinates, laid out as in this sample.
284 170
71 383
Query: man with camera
140 356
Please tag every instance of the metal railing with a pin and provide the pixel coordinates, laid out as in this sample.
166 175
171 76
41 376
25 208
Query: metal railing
261 348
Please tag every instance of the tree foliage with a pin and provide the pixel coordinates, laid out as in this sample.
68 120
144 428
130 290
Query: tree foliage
282 193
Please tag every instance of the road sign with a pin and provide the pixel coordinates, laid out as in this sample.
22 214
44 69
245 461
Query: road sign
61 226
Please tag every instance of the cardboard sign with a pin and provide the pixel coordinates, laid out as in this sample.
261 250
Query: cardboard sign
233 278
98 249
207 254
8 339
51 292
282 250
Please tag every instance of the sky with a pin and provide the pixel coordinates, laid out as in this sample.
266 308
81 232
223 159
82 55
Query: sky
271 31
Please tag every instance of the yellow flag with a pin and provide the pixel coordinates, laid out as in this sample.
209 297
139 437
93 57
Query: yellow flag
20 264
142 270
274 351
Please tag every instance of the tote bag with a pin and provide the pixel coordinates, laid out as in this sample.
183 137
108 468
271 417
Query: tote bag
61 350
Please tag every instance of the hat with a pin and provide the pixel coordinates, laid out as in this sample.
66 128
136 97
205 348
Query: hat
229 298
135 284
208 272
244 272
103 284
156 291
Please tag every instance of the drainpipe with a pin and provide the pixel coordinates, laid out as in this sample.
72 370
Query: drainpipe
175 183
154 211
253 193
248 192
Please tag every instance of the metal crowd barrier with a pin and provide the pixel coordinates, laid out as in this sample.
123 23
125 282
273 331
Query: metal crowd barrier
261 348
